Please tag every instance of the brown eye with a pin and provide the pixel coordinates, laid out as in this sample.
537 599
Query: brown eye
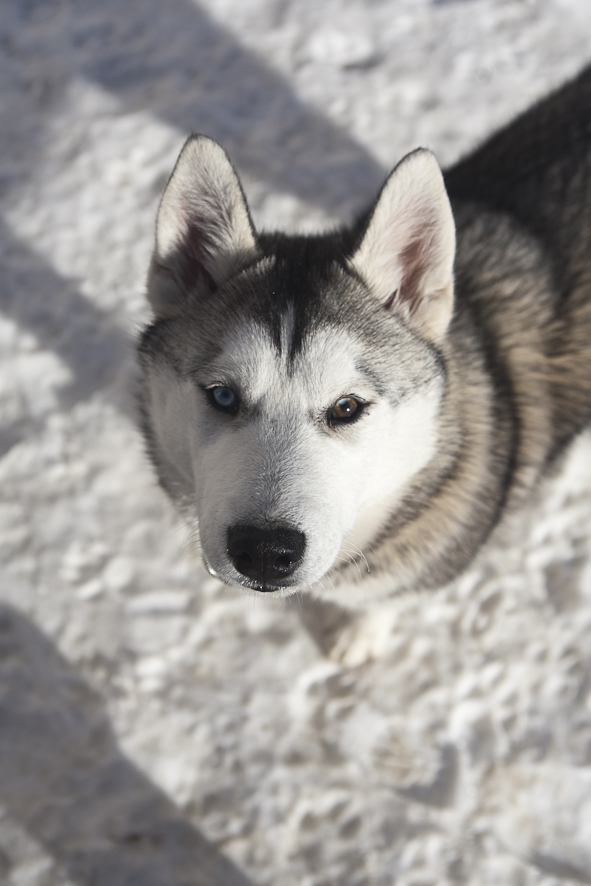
346 409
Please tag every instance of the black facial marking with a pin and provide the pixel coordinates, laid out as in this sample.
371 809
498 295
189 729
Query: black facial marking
303 284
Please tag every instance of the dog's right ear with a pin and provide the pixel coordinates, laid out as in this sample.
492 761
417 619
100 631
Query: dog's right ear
204 233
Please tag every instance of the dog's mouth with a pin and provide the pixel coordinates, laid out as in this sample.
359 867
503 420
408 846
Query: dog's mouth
263 588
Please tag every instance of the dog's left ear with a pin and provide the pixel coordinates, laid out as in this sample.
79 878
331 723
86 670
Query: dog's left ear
407 252
204 233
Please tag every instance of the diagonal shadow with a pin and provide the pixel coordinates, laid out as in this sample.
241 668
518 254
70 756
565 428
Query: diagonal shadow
173 61
63 777
89 340
268 131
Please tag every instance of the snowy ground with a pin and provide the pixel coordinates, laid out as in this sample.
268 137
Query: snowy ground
155 728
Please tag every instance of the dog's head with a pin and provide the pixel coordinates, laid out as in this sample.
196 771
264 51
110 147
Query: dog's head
292 385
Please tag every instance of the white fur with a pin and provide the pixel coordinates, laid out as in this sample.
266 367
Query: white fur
284 463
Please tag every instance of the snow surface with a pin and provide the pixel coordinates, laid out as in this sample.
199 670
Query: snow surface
156 728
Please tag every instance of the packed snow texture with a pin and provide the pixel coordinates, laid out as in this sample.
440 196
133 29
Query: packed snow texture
157 728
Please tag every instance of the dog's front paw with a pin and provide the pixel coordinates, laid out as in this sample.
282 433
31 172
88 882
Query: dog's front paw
348 638
363 639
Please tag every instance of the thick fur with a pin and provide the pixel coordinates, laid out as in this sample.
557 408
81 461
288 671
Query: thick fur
474 366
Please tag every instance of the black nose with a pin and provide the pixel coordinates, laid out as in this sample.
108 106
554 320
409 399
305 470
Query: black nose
265 555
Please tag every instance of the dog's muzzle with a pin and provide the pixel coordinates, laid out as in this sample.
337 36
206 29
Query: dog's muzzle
265 556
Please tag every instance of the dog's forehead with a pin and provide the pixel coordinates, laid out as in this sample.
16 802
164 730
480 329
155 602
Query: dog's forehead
327 362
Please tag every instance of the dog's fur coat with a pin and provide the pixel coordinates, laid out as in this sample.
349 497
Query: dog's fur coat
470 369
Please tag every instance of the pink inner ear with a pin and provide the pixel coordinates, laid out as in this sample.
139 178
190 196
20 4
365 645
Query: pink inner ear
390 301
411 260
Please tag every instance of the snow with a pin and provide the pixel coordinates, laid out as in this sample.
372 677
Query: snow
155 727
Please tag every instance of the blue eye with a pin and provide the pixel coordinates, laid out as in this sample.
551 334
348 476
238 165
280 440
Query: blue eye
223 398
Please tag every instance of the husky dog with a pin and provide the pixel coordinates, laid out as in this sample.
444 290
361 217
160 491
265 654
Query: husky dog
353 413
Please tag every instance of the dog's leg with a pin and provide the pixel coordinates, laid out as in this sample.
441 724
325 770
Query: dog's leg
324 621
346 637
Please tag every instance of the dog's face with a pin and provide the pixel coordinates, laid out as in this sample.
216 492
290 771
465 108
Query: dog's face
291 393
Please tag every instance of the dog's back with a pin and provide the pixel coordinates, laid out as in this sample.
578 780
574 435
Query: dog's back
537 171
